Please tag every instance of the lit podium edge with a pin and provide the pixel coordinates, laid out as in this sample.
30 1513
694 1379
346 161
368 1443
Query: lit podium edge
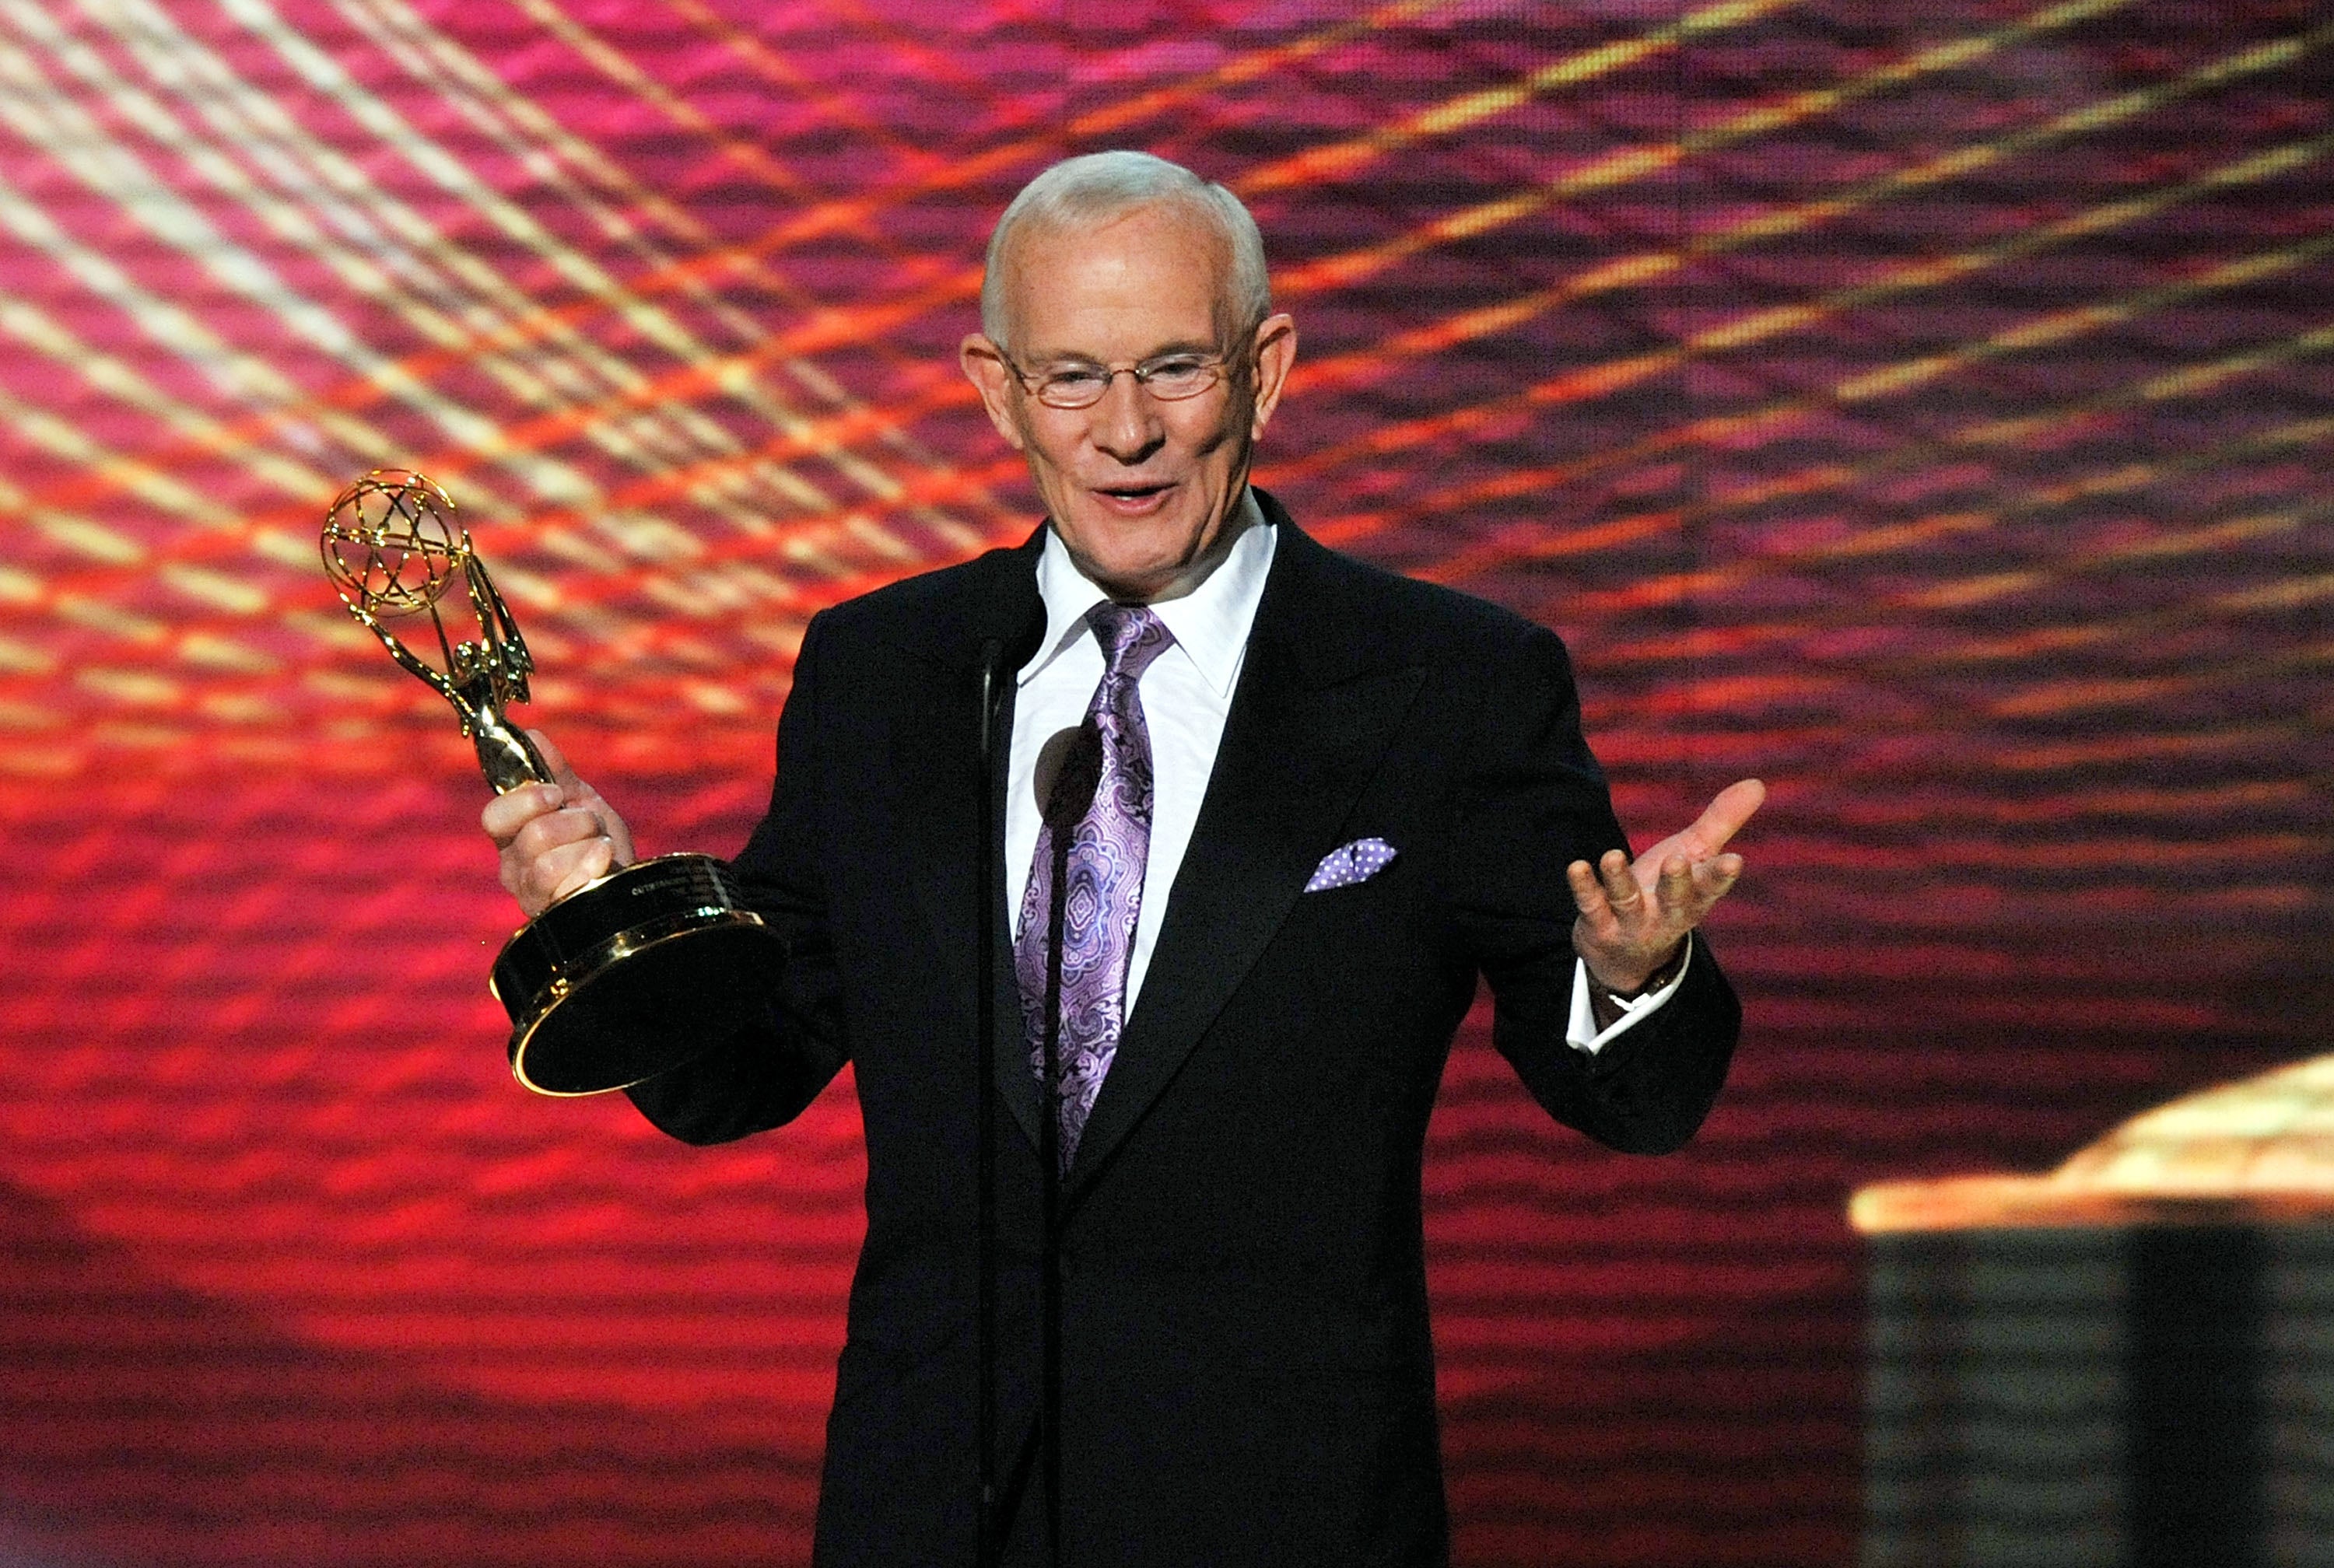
2126 1362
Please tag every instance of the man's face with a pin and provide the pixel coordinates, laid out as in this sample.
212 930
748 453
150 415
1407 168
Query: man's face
1138 487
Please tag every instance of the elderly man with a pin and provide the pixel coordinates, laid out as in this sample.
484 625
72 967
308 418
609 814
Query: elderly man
1319 802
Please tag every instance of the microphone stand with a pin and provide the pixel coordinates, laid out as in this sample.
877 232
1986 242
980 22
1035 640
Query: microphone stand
1065 806
985 1543
1049 1259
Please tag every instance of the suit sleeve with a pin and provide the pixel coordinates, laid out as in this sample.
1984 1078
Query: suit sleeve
767 1075
1533 799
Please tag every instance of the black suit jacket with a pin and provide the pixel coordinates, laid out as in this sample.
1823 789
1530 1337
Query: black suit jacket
1247 1377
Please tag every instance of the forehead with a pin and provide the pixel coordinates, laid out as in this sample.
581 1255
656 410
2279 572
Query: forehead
1122 288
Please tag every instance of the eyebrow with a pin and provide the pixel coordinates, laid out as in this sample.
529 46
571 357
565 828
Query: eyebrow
1071 357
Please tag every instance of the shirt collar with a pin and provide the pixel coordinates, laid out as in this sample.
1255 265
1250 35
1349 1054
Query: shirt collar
1209 618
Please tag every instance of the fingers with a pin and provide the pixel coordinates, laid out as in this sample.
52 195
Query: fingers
555 837
1683 890
1587 897
1713 877
1628 926
1606 889
1620 927
551 876
505 814
556 830
1618 882
555 853
1673 894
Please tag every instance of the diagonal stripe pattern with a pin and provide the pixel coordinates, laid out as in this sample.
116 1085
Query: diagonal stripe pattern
1926 410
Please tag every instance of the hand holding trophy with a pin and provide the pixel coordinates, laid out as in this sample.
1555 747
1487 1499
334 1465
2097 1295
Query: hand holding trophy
632 974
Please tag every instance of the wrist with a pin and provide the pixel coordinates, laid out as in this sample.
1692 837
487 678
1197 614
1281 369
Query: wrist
1661 974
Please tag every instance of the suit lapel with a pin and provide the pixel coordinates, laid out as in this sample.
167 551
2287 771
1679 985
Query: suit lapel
1017 1086
935 751
1312 717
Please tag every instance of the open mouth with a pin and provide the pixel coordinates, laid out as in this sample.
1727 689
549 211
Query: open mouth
1132 498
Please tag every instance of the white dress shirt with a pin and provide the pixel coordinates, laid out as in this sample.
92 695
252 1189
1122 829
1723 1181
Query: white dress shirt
1186 693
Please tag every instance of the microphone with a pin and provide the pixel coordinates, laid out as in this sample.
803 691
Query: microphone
1011 625
1069 770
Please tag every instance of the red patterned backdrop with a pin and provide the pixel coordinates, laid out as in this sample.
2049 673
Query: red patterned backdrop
1925 407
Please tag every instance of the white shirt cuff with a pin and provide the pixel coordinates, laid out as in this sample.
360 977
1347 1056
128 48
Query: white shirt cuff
1582 1033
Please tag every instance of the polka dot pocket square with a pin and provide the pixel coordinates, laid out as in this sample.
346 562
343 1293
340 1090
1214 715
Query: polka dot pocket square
1349 863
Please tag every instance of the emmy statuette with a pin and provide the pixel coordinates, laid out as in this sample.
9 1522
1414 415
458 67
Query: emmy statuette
635 973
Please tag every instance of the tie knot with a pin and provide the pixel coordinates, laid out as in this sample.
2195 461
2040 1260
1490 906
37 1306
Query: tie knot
1131 637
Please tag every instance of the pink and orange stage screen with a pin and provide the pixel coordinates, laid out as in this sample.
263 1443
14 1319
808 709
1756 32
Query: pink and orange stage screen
1927 409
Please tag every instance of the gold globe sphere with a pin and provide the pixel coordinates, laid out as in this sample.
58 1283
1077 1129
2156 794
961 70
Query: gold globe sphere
390 544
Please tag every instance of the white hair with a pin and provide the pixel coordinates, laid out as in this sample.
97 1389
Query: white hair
1086 191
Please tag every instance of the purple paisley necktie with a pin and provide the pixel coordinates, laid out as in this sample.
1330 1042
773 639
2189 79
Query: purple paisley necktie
1104 881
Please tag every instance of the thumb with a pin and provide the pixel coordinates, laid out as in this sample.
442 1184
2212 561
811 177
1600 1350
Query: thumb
1724 817
563 772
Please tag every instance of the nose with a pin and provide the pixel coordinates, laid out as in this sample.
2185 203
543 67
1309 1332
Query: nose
1126 424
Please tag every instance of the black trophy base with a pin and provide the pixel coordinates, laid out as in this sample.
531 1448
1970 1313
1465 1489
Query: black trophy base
640 972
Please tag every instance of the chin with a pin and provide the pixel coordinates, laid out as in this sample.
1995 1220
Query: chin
1134 581
1139 564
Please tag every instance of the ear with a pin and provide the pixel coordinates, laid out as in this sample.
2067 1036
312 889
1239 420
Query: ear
1276 351
984 367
